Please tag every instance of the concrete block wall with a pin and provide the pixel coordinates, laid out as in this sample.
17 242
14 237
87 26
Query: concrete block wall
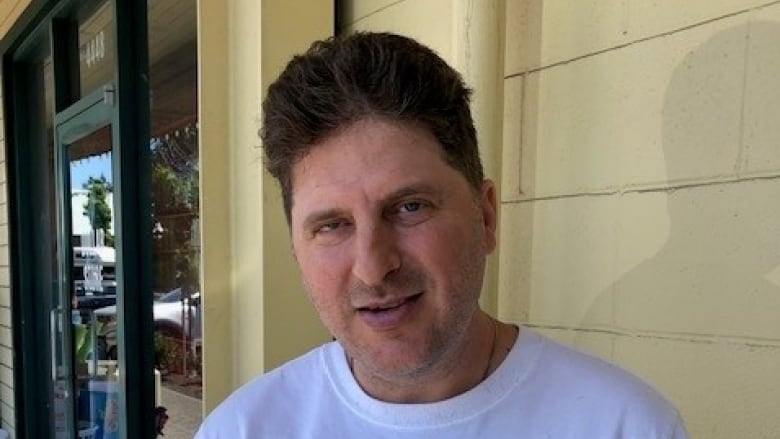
405 17
639 195
7 415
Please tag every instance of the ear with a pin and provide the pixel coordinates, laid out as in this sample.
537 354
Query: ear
489 208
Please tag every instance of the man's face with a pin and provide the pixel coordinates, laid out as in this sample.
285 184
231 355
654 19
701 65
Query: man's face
391 244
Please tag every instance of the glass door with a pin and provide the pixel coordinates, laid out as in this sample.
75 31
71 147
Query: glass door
84 347
80 211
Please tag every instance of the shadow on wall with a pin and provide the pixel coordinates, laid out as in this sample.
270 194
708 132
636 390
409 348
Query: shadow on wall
701 318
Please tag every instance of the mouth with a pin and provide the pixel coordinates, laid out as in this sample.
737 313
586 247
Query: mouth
389 314
379 307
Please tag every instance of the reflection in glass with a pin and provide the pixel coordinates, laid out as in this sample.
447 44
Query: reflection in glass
96 44
93 276
43 196
173 82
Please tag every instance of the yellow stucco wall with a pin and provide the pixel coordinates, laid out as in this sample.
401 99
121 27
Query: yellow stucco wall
10 10
256 314
290 321
639 171
213 118
640 176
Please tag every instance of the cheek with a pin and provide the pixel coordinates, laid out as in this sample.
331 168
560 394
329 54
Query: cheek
324 275
453 257
445 247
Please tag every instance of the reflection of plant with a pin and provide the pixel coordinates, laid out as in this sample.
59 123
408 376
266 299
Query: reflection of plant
173 188
175 178
167 352
175 170
82 339
175 211
96 208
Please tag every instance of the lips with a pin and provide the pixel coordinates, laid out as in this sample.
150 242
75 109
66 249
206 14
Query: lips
387 305
387 315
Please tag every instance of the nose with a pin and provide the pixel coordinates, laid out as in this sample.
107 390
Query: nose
376 254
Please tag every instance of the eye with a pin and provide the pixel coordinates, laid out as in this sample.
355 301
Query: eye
410 206
329 227
411 212
329 232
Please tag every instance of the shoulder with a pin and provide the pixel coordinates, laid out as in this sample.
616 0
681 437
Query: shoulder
273 395
595 391
586 373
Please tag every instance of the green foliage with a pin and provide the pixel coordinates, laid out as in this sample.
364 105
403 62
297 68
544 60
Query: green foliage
175 206
96 208
82 339
175 171
172 189
175 211
167 352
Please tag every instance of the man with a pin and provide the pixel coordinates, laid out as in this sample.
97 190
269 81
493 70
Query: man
372 141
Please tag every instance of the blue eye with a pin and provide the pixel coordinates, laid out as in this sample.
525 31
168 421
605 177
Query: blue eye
410 206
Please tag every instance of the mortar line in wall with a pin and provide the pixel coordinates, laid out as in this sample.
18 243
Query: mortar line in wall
640 40
718 339
387 6
717 181
741 150
559 197
522 135
649 188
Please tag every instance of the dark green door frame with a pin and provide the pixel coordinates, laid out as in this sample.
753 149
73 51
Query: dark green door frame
132 226
30 317
135 223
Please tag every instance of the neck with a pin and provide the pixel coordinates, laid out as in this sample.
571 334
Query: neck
482 349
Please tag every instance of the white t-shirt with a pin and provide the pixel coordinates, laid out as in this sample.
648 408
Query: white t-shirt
541 390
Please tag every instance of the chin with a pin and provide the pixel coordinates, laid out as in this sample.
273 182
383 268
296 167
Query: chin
399 361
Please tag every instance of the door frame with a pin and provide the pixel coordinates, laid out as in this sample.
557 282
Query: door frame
80 119
132 227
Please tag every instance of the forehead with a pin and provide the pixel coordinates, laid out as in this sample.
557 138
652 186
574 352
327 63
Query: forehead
371 156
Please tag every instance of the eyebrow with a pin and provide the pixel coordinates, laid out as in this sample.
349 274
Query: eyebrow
319 216
412 189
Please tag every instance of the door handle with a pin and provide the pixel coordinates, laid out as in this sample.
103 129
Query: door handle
108 95
53 328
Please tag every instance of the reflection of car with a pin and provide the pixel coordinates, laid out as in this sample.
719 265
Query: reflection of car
94 276
174 317
171 308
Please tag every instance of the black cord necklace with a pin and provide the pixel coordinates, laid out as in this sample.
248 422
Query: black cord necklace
492 351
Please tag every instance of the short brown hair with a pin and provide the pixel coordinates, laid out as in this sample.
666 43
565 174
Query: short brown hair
344 79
